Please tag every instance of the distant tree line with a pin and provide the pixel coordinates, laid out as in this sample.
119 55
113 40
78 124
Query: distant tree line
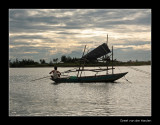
68 61
23 62
29 62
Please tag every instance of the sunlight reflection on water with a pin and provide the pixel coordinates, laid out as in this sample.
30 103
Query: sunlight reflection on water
44 98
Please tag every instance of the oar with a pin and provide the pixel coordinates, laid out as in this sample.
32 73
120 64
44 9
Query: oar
40 78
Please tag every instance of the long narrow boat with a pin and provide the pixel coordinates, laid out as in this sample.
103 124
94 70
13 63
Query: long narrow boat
89 79
100 52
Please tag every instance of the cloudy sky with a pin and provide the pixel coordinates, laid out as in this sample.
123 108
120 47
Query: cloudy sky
50 33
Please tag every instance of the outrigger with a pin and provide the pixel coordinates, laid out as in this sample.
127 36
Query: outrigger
101 51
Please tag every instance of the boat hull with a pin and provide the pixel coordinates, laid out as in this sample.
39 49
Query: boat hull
88 79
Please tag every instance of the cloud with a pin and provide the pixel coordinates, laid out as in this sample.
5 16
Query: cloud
76 19
65 31
134 47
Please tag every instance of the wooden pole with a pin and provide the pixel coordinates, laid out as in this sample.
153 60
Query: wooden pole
82 68
40 78
106 65
80 61
112 59
107 38
106 57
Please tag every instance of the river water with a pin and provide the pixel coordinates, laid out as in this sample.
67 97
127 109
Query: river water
45 98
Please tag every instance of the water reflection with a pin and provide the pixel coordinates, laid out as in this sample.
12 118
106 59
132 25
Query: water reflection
44 97
100 99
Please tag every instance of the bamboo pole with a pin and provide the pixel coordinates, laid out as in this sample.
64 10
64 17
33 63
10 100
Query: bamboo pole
40 78
80 62
112 59
106 57
107 38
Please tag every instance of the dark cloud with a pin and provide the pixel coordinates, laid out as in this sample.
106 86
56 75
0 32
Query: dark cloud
22 21
27 37
66 33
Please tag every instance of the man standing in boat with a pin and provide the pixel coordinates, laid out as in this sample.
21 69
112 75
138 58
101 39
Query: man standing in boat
56 73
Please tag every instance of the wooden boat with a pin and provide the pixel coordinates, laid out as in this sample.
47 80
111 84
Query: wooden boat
97 53
89 79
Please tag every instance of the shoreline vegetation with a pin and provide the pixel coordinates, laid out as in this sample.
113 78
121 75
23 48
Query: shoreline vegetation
71 62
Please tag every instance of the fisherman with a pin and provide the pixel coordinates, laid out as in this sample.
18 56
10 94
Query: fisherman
56 73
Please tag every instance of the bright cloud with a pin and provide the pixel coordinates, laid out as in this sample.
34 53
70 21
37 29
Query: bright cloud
134 47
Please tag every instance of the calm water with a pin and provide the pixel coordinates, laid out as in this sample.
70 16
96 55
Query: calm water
44 98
